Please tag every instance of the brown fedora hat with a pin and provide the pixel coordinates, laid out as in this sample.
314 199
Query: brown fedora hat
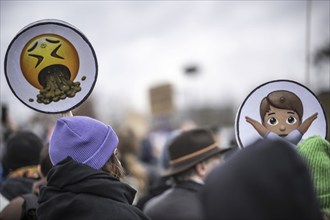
189 148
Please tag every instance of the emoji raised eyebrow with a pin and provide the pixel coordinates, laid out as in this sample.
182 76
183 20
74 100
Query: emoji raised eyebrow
33 47
291 113
272 113
52 41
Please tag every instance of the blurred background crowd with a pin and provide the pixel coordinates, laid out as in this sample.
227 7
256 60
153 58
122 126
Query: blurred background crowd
168 66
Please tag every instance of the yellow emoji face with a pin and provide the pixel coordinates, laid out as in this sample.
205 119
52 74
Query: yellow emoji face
48 54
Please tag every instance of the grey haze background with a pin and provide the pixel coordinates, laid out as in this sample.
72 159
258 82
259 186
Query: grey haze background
237 46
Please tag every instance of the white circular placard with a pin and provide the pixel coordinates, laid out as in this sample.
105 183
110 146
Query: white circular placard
44 45
246 134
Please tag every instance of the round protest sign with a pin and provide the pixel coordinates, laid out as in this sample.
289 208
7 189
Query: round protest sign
51 66
279 109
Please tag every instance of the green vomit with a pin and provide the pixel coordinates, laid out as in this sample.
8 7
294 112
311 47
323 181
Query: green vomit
58 87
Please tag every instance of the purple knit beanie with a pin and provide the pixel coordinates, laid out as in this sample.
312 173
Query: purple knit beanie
84 139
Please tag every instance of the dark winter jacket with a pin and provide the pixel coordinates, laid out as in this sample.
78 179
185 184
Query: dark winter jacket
180 202
76 191
16 186
266 180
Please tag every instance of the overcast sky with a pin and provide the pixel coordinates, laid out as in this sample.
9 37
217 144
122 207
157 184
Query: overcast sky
238 45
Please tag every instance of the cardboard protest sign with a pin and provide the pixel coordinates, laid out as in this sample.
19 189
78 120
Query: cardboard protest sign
279 109
51 66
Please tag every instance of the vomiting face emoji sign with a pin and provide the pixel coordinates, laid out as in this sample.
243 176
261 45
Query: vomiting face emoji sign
50 66
275 110
50 63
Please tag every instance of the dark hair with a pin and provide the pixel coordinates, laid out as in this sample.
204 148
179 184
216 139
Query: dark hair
283 100
114 167
45 163
184 175
187 174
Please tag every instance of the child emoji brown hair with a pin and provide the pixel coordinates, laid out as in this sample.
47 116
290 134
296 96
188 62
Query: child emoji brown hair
283 100
281 114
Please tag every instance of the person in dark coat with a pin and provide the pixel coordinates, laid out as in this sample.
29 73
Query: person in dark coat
25 206
21 159
84 182
192 155
266 180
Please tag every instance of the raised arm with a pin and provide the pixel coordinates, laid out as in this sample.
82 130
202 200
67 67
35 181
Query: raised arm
262 130
307 123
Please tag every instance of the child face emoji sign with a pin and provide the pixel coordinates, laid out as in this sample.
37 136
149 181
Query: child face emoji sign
281 121
281 114
57 66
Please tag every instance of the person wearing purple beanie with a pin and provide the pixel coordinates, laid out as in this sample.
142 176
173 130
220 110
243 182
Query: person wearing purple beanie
84 182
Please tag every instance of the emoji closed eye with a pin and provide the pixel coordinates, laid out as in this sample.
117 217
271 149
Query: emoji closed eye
40 58
54 52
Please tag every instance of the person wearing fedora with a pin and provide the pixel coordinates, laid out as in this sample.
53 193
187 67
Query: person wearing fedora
193 154
84 182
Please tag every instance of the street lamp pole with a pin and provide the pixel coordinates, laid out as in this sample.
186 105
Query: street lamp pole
307 43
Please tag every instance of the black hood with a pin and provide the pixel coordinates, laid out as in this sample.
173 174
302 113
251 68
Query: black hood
77 191
70 176
16 186
266 180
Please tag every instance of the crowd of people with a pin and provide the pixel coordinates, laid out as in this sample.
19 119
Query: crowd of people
89 170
